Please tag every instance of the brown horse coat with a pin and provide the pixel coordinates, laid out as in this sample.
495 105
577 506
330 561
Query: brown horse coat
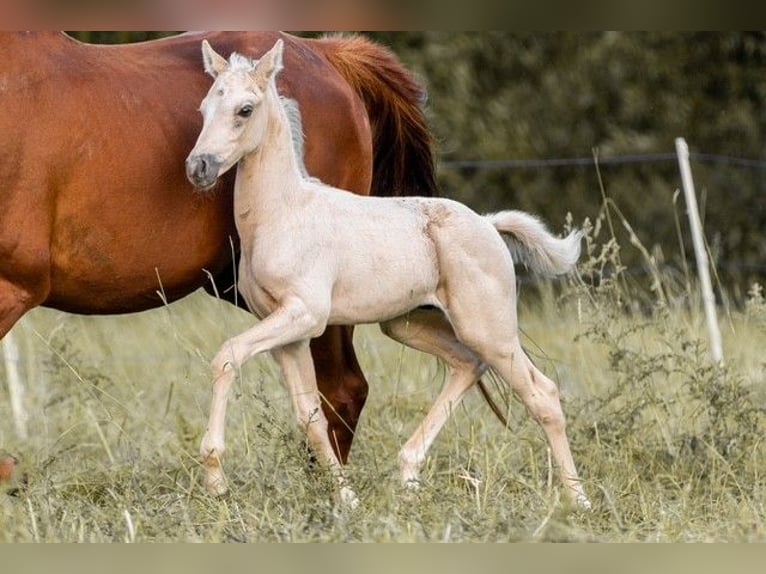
94 202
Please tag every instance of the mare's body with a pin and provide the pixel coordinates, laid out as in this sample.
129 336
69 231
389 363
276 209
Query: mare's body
96 214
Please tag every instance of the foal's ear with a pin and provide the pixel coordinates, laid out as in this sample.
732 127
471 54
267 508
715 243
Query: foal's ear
214 63
271 62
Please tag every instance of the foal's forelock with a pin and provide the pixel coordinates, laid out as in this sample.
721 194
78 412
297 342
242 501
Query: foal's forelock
238 62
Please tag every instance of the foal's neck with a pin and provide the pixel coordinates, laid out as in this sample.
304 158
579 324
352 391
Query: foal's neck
269 180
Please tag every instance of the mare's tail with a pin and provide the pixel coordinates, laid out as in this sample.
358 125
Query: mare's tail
403 156
530 243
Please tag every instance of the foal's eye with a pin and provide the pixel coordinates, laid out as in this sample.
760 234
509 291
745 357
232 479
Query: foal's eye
245 111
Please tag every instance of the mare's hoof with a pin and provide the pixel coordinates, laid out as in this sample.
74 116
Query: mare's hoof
8 467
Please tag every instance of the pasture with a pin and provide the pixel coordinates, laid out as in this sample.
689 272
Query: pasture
670 448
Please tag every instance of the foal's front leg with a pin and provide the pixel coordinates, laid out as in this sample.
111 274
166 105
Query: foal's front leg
300 379
289 323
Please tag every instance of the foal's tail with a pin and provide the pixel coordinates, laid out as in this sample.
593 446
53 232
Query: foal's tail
403 155
530 242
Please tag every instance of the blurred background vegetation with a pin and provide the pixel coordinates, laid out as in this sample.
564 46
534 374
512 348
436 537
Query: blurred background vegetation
525 97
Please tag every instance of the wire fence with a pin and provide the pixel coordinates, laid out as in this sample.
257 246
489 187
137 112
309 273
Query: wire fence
707 158
617 160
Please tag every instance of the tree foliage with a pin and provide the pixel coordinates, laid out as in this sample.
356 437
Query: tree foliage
532 96
500 96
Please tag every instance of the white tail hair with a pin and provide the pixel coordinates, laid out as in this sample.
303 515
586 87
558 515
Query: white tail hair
530 242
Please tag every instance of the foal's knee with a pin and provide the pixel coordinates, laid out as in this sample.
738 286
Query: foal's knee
223 362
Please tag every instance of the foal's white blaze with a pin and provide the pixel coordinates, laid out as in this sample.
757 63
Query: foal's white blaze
313 255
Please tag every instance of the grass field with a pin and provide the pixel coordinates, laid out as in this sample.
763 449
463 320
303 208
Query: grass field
670 447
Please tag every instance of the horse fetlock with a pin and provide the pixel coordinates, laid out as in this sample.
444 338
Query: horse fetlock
212 462
409 468
211 450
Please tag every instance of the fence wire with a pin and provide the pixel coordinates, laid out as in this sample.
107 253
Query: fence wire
708 158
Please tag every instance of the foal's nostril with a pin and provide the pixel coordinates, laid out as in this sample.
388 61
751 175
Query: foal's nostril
201 168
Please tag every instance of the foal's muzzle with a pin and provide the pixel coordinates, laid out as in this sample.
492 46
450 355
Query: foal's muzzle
202 170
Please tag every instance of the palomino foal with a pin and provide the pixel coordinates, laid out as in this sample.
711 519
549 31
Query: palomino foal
313 256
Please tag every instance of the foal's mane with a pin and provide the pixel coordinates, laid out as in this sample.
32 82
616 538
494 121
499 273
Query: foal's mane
293 112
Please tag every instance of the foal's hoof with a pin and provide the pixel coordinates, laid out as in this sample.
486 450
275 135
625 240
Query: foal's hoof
215 483
348 498
410 492
583 503
579 501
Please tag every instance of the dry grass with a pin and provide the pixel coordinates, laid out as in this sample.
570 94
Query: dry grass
670 447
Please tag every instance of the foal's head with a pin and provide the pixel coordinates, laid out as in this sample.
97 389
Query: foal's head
234 119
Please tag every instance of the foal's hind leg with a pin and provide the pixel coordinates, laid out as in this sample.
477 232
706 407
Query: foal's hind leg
430 332
541 397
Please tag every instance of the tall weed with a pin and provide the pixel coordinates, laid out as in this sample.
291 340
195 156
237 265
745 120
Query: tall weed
669 416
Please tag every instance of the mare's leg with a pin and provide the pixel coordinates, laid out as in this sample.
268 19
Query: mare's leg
430 332
287 324
339 377
342 384
14 302
298 372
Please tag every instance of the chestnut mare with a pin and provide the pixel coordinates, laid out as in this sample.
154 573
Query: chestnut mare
94 202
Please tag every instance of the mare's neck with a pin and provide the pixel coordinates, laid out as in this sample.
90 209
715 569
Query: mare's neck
32 53
269 179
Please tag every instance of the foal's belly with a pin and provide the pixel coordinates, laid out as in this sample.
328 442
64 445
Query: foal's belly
383 288
377 303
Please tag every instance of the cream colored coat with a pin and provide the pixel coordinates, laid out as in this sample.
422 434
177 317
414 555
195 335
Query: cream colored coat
435 274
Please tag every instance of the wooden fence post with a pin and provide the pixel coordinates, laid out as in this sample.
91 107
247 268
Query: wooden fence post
15 384
700 251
